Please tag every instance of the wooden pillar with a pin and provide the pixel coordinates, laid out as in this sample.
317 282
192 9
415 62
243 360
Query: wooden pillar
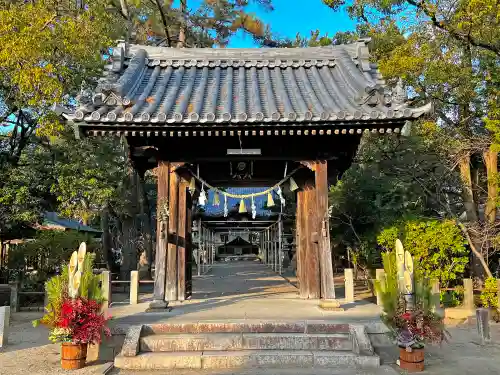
298 218
301 244
134 287
311 256
163 180
200 242
182 235
349 285
468 294
307 248
325 251
14 296
173 204
189 249
280 245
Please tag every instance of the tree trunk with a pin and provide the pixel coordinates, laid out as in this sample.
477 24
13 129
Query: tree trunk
129 250
182 27
477 254
476 188
467 192
491 162
106 238
478 268
129 226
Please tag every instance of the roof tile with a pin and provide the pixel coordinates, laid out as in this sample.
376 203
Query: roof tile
168 85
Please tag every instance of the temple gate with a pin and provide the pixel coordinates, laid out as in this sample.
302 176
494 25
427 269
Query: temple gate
183 111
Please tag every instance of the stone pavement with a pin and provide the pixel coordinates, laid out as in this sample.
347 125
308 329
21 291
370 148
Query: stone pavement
244 290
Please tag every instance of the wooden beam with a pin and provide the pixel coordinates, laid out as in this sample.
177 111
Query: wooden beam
173 203
301 244
311 261
189 248
162 173
298 228
182 232
325 251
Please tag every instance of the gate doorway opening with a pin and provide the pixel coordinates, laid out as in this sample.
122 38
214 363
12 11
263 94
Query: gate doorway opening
240 117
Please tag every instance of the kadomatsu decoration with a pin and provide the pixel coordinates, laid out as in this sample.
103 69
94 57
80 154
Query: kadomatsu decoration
407 309
73 313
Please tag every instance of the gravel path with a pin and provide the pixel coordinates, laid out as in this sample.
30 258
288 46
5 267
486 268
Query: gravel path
29 352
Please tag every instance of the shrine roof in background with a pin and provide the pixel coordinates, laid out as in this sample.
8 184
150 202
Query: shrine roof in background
157 88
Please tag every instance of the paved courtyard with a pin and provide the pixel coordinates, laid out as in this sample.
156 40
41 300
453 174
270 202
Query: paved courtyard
244 290
247 290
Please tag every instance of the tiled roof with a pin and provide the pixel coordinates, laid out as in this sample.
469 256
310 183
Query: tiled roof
238 241
158 85
52 221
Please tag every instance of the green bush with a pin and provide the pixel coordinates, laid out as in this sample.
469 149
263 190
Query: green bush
489 295
46 252
452 298
438 246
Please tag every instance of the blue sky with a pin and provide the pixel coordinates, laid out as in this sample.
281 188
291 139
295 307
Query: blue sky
291 17
298 16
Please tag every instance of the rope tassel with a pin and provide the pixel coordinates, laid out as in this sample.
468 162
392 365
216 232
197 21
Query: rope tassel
202 200
280 195
216 201
243 207
270 201
192 185
254 209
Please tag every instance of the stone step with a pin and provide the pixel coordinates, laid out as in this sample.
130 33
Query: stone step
245 359
382 370
242 341
314 326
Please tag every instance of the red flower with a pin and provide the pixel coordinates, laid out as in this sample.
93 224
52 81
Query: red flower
84 319
406 316
64 323
66 308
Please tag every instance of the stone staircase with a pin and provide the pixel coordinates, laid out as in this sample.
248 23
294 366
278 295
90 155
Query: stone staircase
246 344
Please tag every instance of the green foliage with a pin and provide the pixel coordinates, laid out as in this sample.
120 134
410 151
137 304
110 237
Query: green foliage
388 287
88 175
48 50
438 246
392 180
89 284
452 298
207 22
48 250
57 290
489 295
472 22
448 56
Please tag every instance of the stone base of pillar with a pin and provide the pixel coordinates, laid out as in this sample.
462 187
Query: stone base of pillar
330 305
158 305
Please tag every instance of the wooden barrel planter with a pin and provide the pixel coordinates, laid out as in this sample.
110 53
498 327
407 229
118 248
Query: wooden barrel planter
73 356
411 361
